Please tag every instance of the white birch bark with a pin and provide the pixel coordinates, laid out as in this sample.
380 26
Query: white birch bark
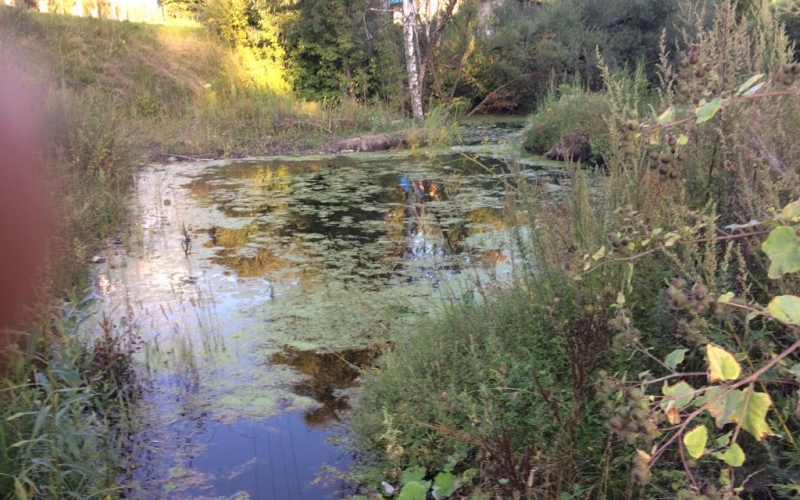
412 59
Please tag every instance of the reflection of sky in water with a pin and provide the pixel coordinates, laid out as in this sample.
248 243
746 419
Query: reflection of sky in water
307 263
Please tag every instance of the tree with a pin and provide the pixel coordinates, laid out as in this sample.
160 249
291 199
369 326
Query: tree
412 61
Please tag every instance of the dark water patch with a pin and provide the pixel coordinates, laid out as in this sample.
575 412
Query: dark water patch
278 458
328 376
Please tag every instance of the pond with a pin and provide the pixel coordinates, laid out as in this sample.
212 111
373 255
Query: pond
259 290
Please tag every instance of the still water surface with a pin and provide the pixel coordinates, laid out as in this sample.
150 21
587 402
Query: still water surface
262 288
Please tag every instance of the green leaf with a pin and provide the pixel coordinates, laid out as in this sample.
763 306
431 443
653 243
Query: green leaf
20 490
414 491
722 366
695 441
734 456
675 358
443 485
755 417
725 297
723 440
69 377
749 83
683 140
672 239
783 249
786 309
667 116
728 406
680 394
43 381
469 473
708 110
795 370
413 474
790 212
600 253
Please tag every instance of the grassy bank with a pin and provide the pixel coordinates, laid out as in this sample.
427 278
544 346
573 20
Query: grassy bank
596 372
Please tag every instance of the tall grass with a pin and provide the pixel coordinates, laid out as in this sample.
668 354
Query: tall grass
66 413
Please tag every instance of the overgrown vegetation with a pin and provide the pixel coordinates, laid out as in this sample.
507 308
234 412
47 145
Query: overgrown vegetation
647 347
66 424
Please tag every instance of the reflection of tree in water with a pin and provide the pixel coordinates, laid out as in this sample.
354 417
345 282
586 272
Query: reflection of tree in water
327 373
433 225
258 263
423 234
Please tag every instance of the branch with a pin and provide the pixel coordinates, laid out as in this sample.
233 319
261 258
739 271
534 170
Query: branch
632 258
753 377
495 91
653 129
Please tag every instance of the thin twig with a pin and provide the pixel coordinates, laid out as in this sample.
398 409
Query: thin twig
632 258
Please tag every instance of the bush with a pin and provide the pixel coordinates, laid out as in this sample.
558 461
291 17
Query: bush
567 112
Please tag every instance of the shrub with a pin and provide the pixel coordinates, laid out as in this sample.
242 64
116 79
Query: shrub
567 112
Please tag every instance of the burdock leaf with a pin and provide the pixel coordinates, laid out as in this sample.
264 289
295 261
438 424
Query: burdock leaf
708 110
734 456
413 474
675 358
695 441
786 309
783 249
790 211
681 394
727 405
414 491
722 365
754 420
667 116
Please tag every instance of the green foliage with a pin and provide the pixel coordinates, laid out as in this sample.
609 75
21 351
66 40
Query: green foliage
332 45
782 249
65 429
566 111
525 43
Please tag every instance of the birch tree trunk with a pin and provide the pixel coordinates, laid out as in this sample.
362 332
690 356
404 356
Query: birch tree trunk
412 60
